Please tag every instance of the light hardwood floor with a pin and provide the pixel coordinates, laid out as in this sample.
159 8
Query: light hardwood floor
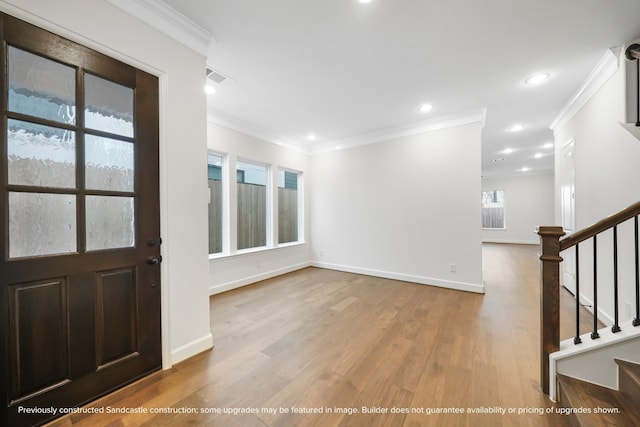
324 340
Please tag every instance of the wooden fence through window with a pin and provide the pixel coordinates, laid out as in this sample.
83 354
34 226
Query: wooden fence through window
252 205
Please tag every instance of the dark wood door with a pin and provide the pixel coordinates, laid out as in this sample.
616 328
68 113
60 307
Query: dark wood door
79 215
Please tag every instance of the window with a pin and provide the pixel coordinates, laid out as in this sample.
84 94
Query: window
493 209
258 211
214 171
287 206
252 205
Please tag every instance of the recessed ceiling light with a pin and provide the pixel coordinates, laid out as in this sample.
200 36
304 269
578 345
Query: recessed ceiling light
538 155
525 169
364 1
548 145
516 128
508 150
425 108
209 89
537 79
501 159
311 137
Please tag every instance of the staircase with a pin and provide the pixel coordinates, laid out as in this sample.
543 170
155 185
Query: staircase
553 248
593 406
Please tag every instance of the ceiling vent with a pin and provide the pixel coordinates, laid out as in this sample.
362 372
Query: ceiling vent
218 77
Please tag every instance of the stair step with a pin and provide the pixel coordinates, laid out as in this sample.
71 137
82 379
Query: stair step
629 380
596 405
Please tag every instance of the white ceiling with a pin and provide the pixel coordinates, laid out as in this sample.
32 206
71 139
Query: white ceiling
345 70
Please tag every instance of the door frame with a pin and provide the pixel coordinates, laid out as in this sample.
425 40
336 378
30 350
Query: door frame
165 301
569 265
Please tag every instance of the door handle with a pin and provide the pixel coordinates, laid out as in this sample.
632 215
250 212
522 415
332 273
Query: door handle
153 260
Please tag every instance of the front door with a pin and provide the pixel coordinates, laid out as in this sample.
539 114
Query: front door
79 215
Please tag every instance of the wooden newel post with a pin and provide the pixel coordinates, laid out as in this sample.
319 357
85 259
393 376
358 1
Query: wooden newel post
549 298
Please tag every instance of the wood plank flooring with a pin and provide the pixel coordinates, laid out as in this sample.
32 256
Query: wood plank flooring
614 409
334 342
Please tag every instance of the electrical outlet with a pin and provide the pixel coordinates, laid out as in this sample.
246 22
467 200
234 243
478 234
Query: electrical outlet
453 268
627 307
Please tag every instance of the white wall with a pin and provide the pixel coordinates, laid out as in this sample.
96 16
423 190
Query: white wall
405 208
606 155
606 181
529 203
232 269
103 27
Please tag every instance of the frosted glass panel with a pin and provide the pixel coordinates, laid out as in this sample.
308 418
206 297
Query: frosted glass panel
109 164
39 155
41 224
40 87
110 222
109 106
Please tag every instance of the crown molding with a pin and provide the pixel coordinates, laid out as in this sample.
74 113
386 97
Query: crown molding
516 174
437 123
602 72
258 134
169 21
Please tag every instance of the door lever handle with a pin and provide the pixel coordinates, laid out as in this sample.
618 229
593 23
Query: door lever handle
152 260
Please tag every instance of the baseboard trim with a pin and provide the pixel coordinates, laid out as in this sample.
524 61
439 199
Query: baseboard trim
216 289
191 349
603 316
460 286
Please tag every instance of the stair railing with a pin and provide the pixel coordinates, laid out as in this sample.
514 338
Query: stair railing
552 245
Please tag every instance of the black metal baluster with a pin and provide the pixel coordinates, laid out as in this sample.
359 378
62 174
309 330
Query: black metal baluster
616 325
636 321
595 333
577 339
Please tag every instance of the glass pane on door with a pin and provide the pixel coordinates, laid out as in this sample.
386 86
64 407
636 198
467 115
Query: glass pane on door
110 222
109 106
41 87
42 156
109 164
41 224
